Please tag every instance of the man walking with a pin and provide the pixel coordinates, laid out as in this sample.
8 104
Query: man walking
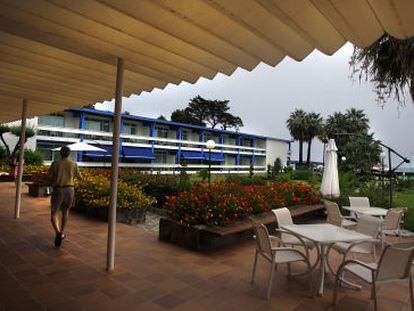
62 174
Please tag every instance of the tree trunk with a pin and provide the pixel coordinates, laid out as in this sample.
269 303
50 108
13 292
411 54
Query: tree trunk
300 152
308 159
5 146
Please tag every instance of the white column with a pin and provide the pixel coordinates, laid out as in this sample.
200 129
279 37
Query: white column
110 261
18 198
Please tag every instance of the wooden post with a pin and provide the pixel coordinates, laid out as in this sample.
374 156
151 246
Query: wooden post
18 198
110 262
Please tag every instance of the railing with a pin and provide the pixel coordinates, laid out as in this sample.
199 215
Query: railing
73 134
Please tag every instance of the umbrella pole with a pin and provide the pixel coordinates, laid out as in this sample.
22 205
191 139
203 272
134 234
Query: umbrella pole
110 263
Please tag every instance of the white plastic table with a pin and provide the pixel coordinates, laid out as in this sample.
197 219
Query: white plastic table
372 211
324 235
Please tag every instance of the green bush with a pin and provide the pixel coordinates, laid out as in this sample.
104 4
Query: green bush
203 174
3 154
157 185
302 174
33 157
246 180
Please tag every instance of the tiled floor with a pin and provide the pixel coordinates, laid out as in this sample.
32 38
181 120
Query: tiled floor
149 275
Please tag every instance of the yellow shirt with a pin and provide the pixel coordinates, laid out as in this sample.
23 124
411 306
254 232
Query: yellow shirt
63 172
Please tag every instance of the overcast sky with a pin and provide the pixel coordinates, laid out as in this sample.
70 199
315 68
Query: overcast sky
265 97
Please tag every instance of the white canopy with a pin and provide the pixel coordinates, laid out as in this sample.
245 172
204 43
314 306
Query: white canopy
81 146
330 180
58 54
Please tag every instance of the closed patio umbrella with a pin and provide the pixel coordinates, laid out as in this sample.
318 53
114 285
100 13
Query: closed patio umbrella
330 180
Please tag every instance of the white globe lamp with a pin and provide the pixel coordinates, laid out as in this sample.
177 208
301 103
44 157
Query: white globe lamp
210 144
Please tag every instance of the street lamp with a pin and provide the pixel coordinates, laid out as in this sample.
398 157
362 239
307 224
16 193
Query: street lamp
210 144
343 158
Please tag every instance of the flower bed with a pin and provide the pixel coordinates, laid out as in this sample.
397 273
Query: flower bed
93 195
223 203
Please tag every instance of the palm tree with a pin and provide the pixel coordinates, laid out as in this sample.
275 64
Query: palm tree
314 124
297 128
389 63
357 120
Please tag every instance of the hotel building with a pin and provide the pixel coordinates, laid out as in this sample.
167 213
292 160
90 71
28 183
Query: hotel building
156 145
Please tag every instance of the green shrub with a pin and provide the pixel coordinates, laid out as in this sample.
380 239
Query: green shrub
203 174
3 154
33 157
157 185
302 174
246 180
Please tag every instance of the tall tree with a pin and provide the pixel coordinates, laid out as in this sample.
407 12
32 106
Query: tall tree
389 63
15 130
184 116
297 128
361 153
314 124
203 112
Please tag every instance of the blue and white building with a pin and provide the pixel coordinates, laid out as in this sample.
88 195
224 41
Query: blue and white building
156 145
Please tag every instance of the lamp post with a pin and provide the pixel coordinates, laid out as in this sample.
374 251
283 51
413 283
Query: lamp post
210 144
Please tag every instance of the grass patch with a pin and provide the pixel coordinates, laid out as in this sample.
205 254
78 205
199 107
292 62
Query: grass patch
405 198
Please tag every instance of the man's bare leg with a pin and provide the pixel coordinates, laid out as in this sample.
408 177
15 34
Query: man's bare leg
55 222
65 217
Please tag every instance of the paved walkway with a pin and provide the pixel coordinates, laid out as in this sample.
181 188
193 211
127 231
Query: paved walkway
150 275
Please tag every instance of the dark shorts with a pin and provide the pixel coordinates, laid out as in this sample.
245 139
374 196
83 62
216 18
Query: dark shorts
62 199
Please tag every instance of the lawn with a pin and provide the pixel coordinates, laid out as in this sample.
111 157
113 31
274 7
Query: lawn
405 198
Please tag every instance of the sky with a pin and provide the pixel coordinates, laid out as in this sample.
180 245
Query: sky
265 97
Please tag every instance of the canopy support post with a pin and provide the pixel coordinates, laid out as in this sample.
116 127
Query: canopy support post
22 138
110 262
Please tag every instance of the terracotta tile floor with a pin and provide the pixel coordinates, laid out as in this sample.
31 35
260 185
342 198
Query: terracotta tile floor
149 275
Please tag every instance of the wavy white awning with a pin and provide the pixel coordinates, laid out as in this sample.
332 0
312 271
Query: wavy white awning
59 53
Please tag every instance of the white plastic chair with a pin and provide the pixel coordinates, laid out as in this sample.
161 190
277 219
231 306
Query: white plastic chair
393 265
335 217
358 202
283 218
276 255
392 223
367 225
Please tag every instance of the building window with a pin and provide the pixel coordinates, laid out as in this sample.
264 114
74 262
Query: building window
130 129
161 156
184 135
208 136
161 132
53 120
97 125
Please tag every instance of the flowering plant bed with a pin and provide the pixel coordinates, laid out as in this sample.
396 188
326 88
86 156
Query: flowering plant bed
93 195
223 203
211 216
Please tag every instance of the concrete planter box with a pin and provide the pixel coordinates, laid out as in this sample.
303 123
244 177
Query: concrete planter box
39 191
204 238
131 217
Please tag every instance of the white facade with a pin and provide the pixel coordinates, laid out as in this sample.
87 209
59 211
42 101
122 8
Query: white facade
166 144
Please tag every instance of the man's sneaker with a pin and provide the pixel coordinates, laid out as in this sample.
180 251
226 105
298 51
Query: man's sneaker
58 239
